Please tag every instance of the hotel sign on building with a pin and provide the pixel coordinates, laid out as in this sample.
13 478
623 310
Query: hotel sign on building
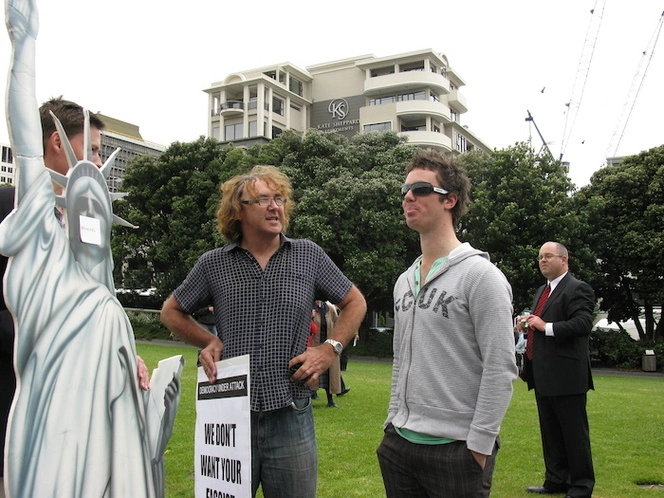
341 115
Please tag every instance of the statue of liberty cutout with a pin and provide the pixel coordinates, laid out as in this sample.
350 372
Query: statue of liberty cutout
80 426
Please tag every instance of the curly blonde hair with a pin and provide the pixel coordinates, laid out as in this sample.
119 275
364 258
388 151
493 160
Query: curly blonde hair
228 212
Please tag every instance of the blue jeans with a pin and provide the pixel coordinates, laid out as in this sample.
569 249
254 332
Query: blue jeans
284 457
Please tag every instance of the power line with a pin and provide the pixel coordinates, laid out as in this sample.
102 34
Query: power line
574 102
637 83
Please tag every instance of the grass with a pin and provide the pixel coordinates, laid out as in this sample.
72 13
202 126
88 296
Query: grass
626 425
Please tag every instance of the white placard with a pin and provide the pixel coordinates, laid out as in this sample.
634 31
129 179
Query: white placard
90 230
223 432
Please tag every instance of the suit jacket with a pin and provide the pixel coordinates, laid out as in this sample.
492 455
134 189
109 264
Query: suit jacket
6 321
561 364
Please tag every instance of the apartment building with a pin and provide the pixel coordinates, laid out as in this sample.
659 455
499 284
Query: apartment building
7 168
416 94
126 137
117 134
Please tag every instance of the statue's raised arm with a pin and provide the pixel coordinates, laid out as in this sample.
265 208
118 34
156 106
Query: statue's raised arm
23 120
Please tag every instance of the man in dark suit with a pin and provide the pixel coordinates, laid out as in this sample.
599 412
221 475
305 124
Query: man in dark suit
557 366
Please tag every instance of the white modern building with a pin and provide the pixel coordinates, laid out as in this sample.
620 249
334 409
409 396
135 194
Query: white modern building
416 94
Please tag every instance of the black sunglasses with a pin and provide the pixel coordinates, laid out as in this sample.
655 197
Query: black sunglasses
421 188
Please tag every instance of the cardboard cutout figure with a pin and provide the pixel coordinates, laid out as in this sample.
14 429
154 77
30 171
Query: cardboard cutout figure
80 425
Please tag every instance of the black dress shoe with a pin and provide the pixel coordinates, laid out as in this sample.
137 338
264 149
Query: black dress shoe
543 491
344 391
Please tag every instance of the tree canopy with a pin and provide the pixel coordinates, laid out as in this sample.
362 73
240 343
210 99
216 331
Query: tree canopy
625 206
346 195
520 200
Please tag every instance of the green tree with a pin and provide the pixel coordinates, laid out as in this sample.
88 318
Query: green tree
346 196
173 201
625 205
348 201
519 201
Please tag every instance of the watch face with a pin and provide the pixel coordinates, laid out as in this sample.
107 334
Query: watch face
338 347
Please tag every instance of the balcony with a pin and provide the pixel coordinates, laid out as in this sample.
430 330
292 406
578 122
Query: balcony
410 80
231 108
457 101
428 139
422 108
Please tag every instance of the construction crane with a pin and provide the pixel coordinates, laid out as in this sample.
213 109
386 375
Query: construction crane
574 102
545 146
637 83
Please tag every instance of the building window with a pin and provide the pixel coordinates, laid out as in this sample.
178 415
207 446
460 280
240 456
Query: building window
454 116
412 96
253 129
417 126
271 74
233 132
7 155
282 78
385 126
460 142
215 133
253 103
413 66
382 71
276 131
434 98
296 86
278 106
390 99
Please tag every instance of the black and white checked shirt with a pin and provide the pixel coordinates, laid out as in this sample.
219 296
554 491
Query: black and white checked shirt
265 314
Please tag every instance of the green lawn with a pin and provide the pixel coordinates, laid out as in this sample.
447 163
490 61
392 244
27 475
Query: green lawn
626 424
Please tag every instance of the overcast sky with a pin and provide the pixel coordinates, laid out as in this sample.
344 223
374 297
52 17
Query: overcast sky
147 61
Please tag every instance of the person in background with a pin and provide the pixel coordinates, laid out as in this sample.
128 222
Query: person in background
557 367
325 317
454 358
71 115
262 286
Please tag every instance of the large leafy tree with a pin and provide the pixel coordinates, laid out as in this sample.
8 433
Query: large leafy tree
348 201
625 204
172 200
346 195
519 201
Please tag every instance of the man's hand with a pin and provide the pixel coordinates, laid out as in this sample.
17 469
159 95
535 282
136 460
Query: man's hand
314 361
143 374
479 458
536 323
209 356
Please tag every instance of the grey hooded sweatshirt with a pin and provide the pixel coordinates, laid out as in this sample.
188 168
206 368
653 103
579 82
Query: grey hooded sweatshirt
454 360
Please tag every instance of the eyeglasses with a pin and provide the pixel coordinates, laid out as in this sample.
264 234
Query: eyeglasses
421 188
266 201
548 256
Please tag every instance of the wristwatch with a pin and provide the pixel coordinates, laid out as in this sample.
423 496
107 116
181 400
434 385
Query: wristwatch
338 347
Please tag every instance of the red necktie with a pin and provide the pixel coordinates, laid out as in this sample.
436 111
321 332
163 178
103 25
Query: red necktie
538 310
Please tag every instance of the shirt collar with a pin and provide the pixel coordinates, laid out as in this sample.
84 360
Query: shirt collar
554 283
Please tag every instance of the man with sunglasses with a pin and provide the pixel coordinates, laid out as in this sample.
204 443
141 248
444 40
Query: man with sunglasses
262 287
557 367
454 357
